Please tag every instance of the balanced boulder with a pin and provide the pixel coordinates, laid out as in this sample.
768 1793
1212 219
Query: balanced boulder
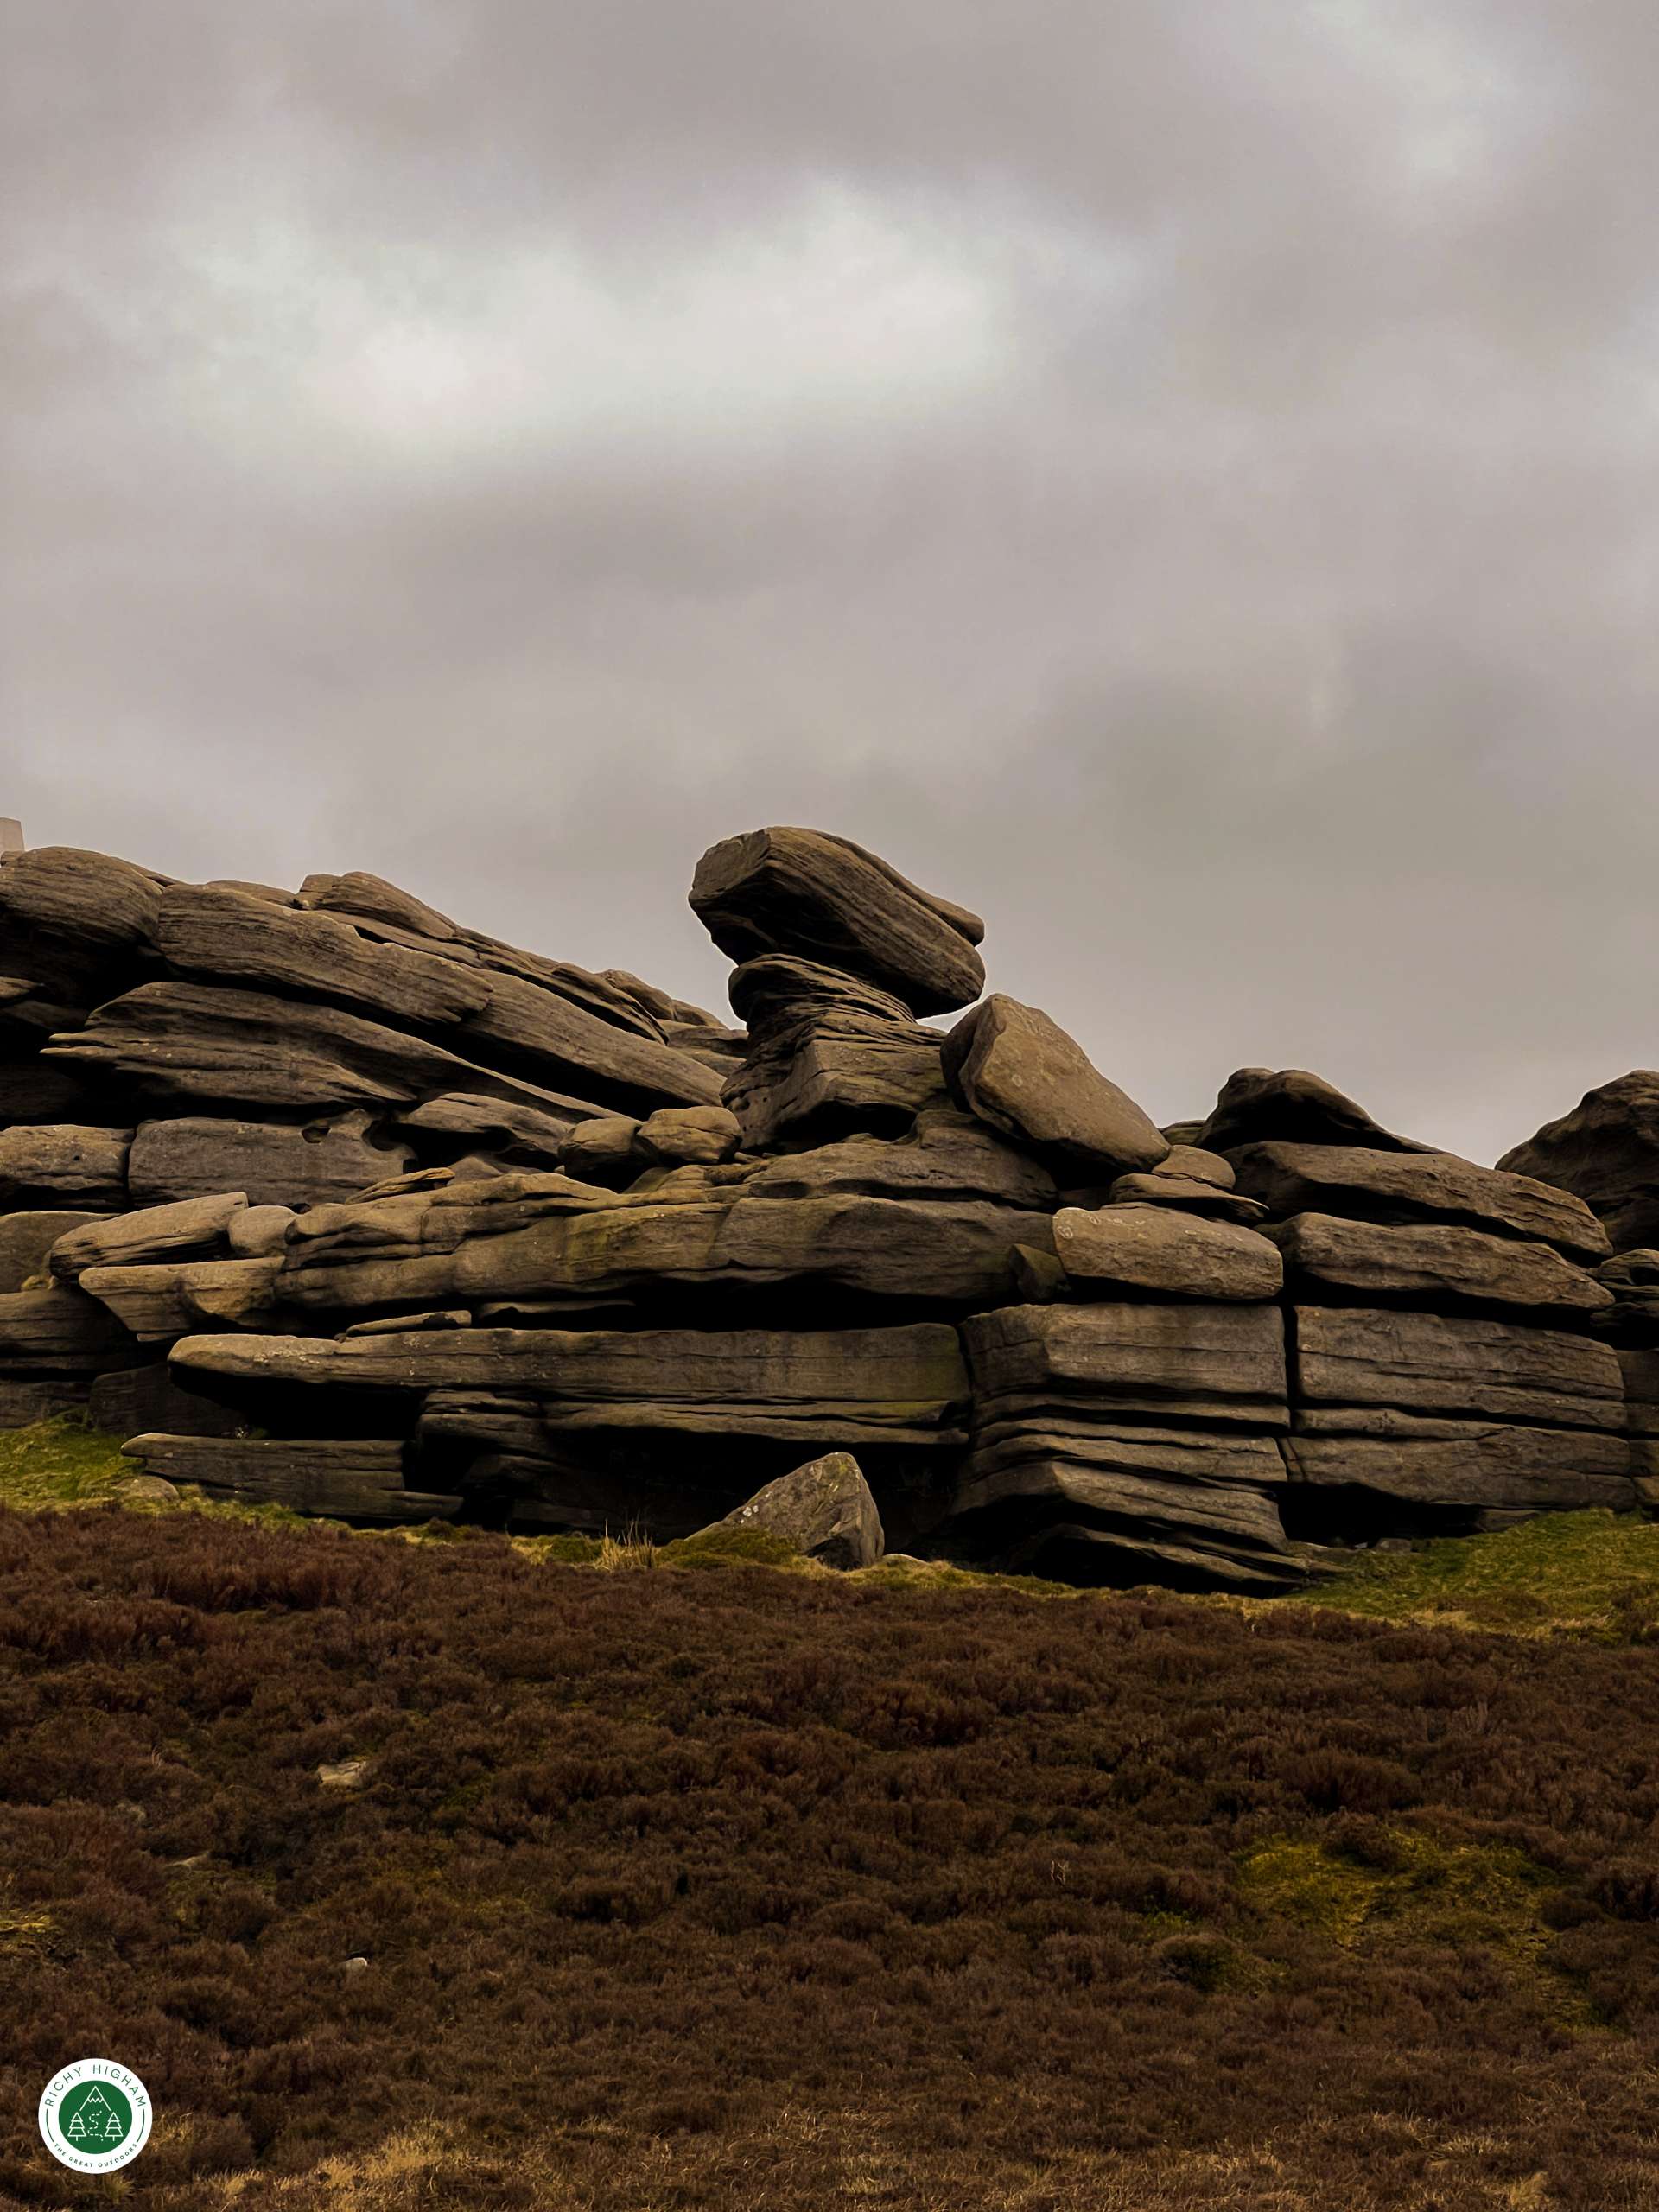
824 898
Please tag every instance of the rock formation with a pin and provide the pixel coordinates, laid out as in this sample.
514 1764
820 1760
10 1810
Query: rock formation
322 1198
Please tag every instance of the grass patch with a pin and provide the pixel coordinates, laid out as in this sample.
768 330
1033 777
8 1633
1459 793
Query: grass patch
59 1462
1593 1574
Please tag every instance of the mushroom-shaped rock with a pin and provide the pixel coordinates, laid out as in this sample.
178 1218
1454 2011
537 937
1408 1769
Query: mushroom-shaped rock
823 1509
822 898
1020 1073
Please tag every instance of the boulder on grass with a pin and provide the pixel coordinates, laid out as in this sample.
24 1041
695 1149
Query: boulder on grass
823 1509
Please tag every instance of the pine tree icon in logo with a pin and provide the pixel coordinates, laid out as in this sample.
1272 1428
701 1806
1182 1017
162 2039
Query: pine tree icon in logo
95 2120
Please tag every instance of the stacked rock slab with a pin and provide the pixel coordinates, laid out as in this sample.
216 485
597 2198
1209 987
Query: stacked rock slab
322 1198
1127 1421
1444 1373
163 1042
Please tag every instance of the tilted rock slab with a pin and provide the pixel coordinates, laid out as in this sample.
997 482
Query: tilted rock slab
226 934
195 1225
195 1041
1017 1070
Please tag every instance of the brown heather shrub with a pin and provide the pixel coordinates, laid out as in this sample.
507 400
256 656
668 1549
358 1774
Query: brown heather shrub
754 1889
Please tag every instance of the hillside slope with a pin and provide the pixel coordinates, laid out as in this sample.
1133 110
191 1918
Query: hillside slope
759 1890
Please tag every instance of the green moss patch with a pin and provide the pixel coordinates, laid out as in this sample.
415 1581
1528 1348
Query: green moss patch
1378 1887
1591 1573
59 1462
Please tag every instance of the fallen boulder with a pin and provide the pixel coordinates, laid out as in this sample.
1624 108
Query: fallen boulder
824 1510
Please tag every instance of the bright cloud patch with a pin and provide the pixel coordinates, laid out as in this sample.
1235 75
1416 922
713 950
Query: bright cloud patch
839 312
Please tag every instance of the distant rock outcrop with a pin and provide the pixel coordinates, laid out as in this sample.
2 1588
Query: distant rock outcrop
322 1198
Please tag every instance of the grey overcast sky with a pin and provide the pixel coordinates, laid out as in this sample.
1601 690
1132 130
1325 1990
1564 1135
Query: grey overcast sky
1179 476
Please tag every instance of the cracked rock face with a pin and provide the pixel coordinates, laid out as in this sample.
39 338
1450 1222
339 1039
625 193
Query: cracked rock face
321 1196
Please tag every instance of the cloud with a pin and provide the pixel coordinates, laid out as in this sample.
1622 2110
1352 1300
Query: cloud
1181 479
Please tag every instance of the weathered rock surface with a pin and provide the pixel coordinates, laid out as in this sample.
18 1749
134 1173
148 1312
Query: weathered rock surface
826 1055
1473 1464
353 1480
26 1238
825 899
227 934
71 919
159 1301
58 1331
1431 1262
1468 1367
1018 1071
592 1259
152 1233
273 1163
1156 1248
1606 1152
685 1136
947 1155
909 1377
1133 1513
1410 1187
1291 1106
259 1231
187 1042
1189 1163
556 1044
604 1149
1208 1363
64 1164
954 1255
824 1510
519 1136
370 897
1158 1189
